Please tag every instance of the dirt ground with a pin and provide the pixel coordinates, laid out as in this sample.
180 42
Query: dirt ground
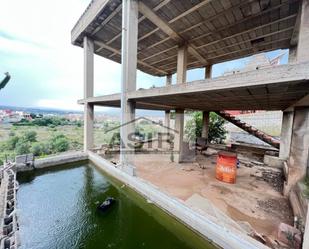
251 199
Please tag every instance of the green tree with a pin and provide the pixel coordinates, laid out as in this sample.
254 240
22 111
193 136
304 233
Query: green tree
22 147
29 136
216 133
39 149
11 143
59 143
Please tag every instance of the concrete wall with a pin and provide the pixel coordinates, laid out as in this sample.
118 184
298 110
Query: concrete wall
70 157
67 157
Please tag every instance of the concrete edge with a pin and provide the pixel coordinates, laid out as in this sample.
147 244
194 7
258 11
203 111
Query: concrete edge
220 235
60 159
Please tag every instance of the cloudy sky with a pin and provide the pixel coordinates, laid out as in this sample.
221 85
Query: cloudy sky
46 70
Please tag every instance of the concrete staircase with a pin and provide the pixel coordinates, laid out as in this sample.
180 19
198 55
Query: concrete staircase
250 129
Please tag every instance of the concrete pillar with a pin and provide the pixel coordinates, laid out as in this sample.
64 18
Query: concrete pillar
208 71
292 54
205 125
128 82
178 140
167 120
88 92
286 134
303 36
179 113
299 151
182 58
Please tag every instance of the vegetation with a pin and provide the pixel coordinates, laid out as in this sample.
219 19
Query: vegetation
53 134
27 143
51 121
217 132
48 135
306 185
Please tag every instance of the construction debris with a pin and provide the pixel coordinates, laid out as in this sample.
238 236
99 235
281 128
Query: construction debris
290 236
272 176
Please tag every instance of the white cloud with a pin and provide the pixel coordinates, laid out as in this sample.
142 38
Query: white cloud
63 104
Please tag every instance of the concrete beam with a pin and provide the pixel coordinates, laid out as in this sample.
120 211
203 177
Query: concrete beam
88 92
165 27
94 8
287 85
303 37
290 73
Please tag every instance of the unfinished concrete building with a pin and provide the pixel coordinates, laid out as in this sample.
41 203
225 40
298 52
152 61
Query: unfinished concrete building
166 37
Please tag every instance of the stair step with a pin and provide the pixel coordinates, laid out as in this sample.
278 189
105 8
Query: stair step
248 128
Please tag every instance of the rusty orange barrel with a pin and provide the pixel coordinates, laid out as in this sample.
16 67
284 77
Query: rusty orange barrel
226 167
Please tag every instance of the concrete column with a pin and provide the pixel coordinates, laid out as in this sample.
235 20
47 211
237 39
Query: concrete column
179 113
182 58
299 151
88 92
208 71
303 36
178 140
88 127
292 54
205 126
128 82
167 120
286 134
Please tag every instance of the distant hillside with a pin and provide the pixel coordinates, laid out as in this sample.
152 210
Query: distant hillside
37 110
111 112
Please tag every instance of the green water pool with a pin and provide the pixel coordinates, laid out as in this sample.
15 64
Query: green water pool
58 210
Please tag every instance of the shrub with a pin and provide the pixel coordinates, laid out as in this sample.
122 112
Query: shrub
216 132
11 143
39 149
59 143
29 136
22 147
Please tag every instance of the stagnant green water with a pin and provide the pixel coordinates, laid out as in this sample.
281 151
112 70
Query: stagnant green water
58 211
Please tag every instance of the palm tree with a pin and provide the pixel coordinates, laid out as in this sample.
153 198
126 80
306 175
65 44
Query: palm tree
5 80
